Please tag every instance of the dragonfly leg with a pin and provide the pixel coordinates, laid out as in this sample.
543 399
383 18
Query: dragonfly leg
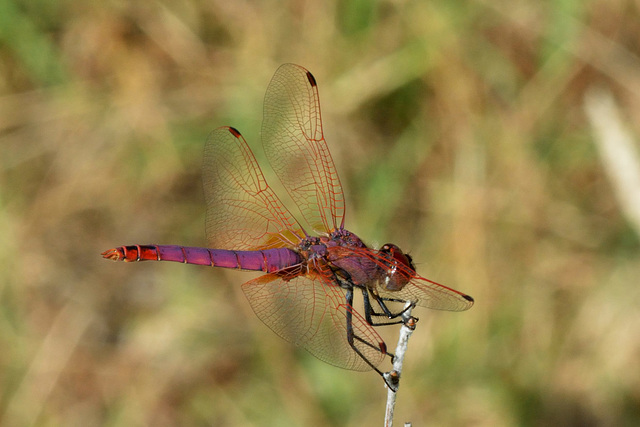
369 312
352 338
367 343
381 302
344 279
386 312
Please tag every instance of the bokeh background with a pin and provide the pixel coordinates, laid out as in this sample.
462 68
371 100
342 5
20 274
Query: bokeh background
496 141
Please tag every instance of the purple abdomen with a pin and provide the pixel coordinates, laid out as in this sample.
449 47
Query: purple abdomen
267 260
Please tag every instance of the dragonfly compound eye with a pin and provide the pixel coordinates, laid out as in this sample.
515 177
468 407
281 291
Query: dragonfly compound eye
400 267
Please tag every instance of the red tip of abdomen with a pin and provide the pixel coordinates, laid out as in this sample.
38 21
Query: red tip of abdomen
132 253
115 254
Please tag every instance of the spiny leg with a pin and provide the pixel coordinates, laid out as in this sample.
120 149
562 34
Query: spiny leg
352 337
369 312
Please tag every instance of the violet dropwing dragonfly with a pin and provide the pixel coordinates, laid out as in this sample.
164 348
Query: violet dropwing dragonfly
307 293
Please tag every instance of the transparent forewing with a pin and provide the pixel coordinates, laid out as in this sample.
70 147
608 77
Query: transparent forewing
312 313
243 213
422 291
427 293
294 144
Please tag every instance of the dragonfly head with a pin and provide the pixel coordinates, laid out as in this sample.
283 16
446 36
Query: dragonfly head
400 267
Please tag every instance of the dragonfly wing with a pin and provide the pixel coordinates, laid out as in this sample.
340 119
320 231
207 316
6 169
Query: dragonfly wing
312 313
429 294
295 146
243 212
422 291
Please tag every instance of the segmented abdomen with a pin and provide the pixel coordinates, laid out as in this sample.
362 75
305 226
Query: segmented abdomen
267 260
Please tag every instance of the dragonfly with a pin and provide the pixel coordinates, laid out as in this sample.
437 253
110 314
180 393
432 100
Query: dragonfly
306 295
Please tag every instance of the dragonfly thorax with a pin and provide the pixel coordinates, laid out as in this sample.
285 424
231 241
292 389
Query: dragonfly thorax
342 237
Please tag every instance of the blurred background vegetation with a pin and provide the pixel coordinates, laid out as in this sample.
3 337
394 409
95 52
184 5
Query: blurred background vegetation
472 134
